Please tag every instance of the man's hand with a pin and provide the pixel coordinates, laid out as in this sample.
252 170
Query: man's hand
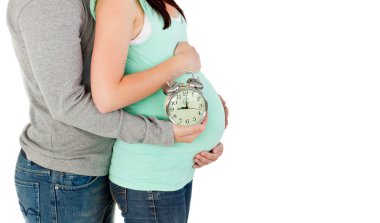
188 134
205 158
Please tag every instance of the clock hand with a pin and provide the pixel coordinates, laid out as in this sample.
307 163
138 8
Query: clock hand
187 105
196 108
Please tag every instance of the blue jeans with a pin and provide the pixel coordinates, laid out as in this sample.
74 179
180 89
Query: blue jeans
48 196
153 206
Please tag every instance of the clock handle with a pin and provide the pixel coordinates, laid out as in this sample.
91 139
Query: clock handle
172 86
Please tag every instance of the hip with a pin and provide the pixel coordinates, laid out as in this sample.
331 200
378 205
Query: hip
46 195
136 205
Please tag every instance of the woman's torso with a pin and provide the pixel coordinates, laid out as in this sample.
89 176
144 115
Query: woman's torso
154 167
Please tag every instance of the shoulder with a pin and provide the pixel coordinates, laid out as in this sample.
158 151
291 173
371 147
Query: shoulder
33 13
116 5
55 8
70 11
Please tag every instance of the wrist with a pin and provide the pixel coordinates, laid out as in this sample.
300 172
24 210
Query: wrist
178 65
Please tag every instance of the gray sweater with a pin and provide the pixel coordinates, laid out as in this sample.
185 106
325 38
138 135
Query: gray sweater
53 42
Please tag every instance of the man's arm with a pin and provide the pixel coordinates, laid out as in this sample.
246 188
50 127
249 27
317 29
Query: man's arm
51 32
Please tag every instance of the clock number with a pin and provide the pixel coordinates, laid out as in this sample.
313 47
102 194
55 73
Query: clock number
187 121
178 96
199 113
198 98
171 109
174 116
184 93
201 106
194 119
174 102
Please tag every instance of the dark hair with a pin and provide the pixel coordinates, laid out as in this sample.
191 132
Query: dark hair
160 8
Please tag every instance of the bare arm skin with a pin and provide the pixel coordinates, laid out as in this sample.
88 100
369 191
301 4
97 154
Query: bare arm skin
115 27
111 90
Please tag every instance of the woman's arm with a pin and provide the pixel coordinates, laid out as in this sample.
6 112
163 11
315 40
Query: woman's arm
112 90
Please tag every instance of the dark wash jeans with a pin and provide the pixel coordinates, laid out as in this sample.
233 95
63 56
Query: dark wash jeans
153 206
48 196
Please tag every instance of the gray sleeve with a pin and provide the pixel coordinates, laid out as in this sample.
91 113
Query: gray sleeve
51 32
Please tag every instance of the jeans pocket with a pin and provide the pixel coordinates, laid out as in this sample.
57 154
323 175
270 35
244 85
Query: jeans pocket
29 197
73 182
119 194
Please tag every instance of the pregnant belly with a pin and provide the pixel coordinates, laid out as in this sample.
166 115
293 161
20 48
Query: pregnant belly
155 167
153 106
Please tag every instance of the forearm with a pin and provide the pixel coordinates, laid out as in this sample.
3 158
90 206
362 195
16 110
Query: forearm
137 86
53 42
80 111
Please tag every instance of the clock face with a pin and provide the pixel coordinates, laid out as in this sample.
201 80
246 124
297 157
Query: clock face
187 107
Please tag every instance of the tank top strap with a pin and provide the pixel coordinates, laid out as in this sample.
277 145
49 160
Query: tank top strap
146 7
92 8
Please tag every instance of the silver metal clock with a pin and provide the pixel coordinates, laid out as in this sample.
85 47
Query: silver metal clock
185 104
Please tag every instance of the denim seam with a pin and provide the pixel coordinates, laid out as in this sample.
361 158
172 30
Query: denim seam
37 172
116 191
36 188
26 183
152 205
75 188
126 201
54 211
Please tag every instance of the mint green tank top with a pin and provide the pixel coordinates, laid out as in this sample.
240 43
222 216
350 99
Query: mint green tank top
154 167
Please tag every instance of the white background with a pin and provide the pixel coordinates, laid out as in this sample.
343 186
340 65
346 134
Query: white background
301 80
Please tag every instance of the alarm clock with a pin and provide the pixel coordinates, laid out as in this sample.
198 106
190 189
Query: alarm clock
185 103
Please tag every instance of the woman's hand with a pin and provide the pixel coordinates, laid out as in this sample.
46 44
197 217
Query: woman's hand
188 56
189 133
225 110
205 158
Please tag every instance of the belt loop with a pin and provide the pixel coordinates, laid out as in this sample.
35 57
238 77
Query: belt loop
26 157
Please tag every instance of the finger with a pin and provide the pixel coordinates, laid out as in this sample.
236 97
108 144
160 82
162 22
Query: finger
218 149
178 46
215 153
222 99
196 166
225 116
225 110
190 137
203 159
211 157
185 131
181 45
205 119
199 162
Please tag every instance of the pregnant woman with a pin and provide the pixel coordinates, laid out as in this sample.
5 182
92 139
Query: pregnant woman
146 41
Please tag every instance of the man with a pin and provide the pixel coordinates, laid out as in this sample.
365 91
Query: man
61 173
